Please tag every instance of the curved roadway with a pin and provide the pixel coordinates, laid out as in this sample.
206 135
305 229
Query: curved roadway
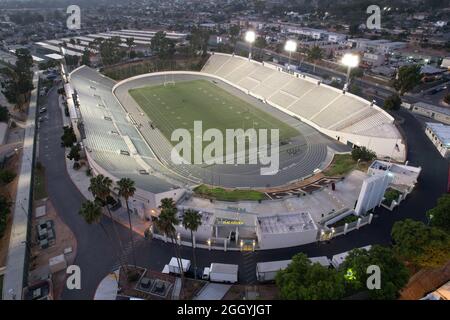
95 255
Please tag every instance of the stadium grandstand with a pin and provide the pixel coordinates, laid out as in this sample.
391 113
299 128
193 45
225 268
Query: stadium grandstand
114 147
340 115
121 139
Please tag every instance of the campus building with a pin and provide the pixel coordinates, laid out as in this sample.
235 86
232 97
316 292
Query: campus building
439 134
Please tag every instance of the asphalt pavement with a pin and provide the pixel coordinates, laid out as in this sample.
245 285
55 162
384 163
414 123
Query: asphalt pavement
95 254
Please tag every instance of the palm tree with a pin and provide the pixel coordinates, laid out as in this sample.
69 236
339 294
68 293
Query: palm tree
167 203
166 223
98 42
100 187
92 214
191 221
130 44
126 190
315 54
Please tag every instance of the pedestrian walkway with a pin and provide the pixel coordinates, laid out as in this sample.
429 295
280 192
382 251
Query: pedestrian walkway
108 287
17 250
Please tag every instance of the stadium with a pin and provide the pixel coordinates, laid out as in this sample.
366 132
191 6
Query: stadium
126 126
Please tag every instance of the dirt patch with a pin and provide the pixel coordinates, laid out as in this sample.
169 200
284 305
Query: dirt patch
39 257
9 191
256 292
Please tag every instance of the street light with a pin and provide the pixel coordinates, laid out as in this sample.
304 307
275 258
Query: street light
290 46
351 61
250 37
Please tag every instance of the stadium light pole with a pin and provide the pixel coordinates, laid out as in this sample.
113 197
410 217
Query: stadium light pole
290 46
250 37
351 61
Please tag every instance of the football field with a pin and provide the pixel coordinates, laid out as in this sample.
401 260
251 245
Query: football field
178 105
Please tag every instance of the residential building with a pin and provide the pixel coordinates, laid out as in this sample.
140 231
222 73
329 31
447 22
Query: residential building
439 134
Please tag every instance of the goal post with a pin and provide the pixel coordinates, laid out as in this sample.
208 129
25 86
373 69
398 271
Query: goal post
169 80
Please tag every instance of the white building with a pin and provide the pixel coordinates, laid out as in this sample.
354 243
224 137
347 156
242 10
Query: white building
377 46
372 192
431 111
282 231
446 63
404 177
374 59
439 134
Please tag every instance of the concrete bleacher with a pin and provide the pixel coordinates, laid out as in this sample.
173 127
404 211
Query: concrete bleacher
344 106
261 73
327 107
107 138
298 88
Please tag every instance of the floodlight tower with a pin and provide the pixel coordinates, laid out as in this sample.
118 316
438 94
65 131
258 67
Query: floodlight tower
351 61
250 37
290 46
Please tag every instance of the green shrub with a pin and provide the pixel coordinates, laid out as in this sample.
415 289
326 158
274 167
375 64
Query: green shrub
447 98
6 176
363 154
5 210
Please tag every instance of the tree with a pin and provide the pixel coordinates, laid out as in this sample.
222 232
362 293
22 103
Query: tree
393 102
74 153
199 40
419 244
447 98
315 54
439 216
68 138
19 81
407 78
5 210
163 47
7 176
234 33
130 44
394 274
92 214
110 50
302 280
100 187
86 57
126 190
191 221
166 223
363 154
4 114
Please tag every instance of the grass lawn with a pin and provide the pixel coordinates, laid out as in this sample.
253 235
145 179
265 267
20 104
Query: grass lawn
178 106
341 165
229 195
40 191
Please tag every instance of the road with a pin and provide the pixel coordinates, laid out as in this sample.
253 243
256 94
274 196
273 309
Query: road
95 254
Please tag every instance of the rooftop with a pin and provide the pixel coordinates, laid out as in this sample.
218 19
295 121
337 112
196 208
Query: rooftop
442 131
286 223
